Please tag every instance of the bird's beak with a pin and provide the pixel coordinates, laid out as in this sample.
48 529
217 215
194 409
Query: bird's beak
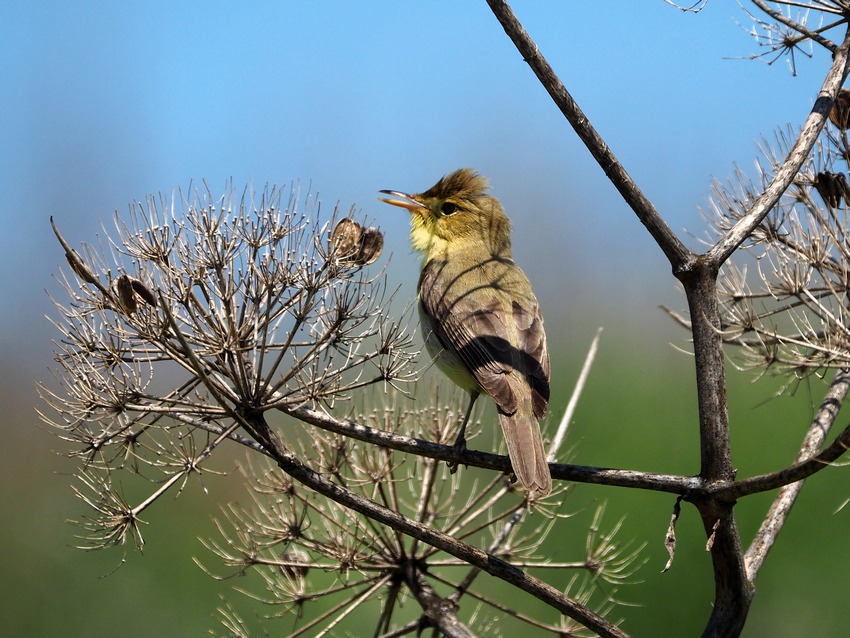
404 201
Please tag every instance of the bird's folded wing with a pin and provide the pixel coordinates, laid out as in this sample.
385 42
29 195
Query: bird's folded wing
493 339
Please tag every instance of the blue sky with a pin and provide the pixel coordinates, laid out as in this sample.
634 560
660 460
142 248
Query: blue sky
104 103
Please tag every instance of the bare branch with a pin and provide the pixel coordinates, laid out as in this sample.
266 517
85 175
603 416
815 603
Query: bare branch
789 475
781 506
579 473
673 248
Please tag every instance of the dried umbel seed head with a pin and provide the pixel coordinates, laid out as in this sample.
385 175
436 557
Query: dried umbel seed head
353 245
140 289
832 187
123 290
839 114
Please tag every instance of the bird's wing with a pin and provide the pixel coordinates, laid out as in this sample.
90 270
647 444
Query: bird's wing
491 331
533 352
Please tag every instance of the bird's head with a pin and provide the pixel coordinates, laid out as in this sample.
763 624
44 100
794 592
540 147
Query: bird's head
456 213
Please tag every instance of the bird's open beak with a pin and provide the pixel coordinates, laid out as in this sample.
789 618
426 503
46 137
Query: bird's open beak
404 201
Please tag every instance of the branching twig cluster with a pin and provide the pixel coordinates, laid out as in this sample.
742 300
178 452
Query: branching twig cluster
716 489
197 310
308 549
793 316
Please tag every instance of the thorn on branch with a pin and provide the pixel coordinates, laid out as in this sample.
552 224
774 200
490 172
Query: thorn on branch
709 544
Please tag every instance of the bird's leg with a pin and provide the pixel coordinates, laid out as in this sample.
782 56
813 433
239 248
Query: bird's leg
460 440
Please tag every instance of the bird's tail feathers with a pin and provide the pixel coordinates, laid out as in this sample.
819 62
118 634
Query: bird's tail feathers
525 447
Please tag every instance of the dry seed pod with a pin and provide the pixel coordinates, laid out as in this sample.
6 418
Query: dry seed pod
76 262
832 187
143 292
843 187
123 289
371 245
352 245
345 241
839 114
79 266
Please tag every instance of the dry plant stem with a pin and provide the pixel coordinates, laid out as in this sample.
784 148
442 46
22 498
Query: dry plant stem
732 591
441 612
643 208
561 432
667 483
781 507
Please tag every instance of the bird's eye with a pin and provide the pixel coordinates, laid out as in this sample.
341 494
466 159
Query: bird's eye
448 208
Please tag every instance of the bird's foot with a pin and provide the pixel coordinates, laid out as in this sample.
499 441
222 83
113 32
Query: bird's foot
460 448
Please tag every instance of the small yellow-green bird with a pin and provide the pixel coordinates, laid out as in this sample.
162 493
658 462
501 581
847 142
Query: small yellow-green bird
480 318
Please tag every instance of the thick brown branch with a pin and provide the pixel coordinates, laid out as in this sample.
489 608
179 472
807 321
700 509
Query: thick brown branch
675 251
732 591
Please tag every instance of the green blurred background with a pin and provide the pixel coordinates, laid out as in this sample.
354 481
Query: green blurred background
103 104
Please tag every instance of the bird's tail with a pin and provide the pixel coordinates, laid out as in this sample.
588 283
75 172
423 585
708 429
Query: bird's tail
525 447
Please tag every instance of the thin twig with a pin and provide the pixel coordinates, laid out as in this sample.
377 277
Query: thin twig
781 507
787 476
796 26
561 432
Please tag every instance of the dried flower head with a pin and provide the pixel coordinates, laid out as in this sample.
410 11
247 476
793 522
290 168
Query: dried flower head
213 322
785 306
289 532
217 308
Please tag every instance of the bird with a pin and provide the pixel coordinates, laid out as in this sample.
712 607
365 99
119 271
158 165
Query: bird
479 316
